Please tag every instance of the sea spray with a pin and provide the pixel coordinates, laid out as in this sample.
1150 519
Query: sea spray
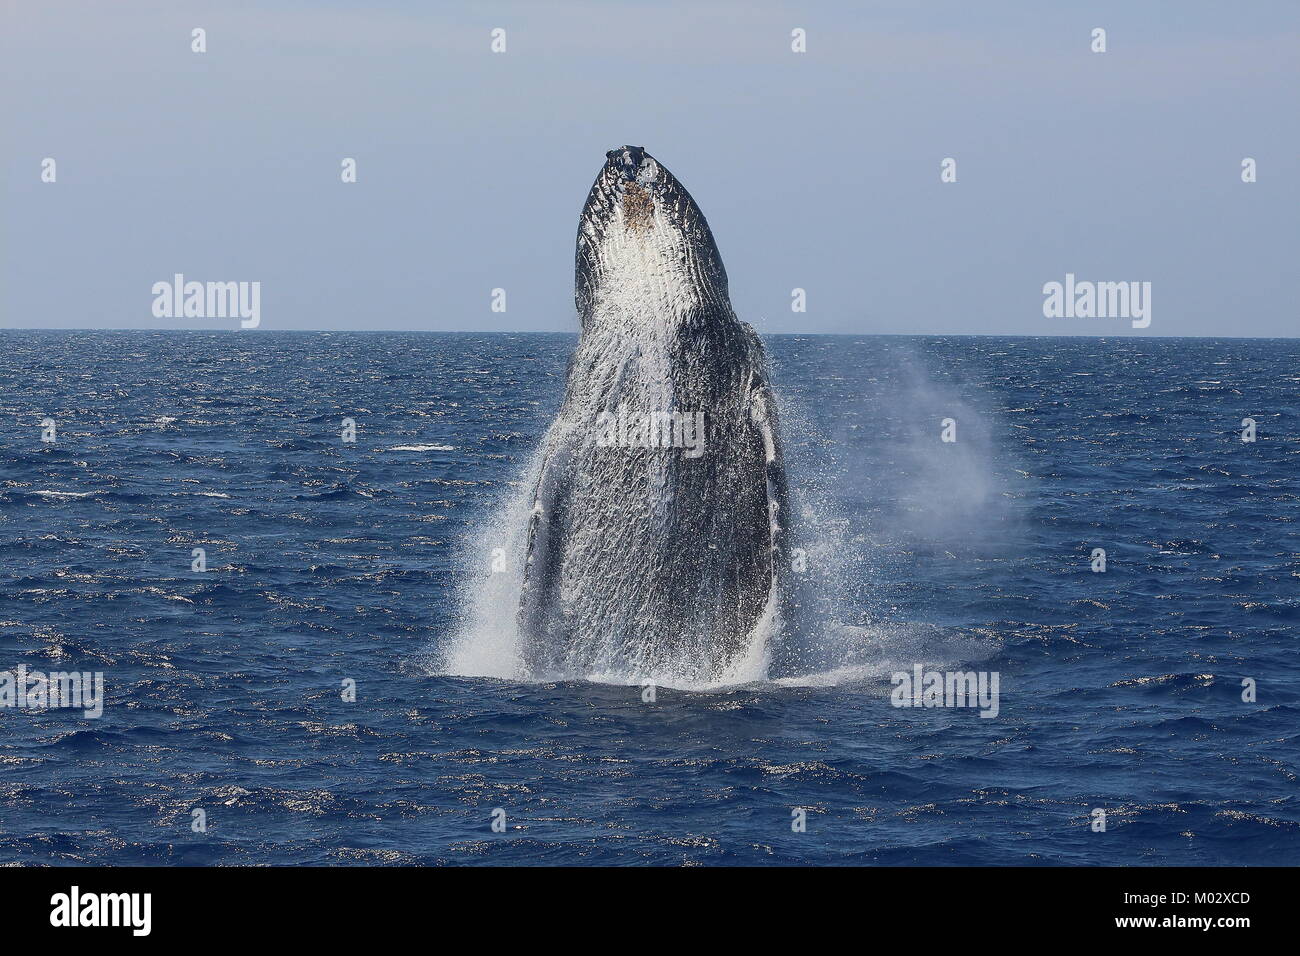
490 574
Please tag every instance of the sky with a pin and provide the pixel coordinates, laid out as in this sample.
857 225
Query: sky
817 170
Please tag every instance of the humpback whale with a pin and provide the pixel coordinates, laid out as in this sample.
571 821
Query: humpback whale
659 519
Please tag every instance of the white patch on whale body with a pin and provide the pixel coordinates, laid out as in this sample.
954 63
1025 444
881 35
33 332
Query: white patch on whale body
645 282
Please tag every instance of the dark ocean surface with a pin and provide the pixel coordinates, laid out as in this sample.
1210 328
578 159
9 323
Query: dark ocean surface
327 561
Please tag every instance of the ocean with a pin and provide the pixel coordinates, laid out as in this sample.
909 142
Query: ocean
1148 713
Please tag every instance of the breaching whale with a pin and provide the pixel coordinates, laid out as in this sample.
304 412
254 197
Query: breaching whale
659 519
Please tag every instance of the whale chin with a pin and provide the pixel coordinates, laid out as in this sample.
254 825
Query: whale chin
642 233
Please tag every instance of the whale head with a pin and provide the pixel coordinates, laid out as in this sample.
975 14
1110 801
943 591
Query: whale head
645 250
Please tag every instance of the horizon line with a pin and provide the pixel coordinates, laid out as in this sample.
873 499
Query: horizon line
575 332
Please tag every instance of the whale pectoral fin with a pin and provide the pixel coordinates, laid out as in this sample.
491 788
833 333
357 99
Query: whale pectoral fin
781 602
762 412
540 562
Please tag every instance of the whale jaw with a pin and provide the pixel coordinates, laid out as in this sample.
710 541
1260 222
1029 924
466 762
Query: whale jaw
644 248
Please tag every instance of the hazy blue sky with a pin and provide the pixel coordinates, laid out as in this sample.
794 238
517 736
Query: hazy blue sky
816 170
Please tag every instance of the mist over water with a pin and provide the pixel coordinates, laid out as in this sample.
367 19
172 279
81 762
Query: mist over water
869 484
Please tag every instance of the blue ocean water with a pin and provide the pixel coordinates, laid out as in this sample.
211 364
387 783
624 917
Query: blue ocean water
329 561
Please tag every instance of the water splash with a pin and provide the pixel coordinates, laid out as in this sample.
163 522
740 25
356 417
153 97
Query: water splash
487 641
836 632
